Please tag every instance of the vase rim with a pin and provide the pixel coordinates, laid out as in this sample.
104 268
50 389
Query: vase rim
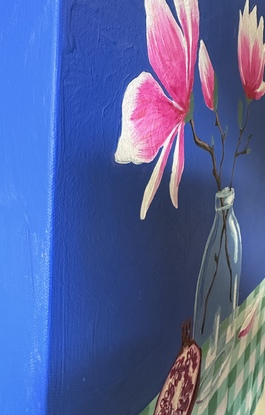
227 195
225 192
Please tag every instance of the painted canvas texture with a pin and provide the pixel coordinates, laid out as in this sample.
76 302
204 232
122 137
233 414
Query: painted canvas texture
101 249
156 108
142 86
27 106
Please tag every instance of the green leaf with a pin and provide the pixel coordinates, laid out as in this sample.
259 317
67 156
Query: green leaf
240 114
215 94
248 150
189 116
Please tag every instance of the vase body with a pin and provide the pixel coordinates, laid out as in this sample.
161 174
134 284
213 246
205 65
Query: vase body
218 281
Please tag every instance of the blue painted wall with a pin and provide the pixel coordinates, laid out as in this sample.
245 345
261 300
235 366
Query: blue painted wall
28 32
119 288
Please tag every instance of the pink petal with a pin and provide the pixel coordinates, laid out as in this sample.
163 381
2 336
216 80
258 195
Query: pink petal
148 118
251 65
256 70
177 166
156 176
251 53
247 324
206 76
167 51
243 63
252 313
189 17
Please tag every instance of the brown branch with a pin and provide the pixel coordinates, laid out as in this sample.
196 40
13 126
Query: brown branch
223 137
239 141
210 150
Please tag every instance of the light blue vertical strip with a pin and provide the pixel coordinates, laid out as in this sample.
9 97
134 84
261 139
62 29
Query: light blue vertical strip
28 96
54 10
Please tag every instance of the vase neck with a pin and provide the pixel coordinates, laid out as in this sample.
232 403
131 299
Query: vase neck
224 199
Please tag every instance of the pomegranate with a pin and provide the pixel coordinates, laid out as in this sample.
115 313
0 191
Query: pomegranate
178 394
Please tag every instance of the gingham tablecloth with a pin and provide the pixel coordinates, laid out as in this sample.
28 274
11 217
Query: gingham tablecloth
241 384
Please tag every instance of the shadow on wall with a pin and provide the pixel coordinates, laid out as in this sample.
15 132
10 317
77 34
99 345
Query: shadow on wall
121 287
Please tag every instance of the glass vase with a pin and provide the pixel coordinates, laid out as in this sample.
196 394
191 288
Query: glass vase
218 281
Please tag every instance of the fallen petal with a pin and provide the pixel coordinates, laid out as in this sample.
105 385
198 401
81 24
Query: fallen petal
247 326
248 322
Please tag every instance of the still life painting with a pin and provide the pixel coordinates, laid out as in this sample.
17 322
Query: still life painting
219 368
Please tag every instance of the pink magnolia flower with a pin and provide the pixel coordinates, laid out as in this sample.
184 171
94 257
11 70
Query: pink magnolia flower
150 118
206 76
251 53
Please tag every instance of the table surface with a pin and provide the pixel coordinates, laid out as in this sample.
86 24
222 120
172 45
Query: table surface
234 387
261 405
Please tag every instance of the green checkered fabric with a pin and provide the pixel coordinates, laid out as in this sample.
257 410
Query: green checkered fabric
241 384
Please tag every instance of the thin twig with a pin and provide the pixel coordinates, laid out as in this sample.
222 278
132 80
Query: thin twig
239 141
223 137
210 150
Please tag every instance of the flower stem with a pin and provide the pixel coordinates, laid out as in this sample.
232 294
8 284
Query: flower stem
223 137
210 149
239 142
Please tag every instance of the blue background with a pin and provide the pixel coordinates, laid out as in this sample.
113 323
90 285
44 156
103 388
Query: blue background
92 298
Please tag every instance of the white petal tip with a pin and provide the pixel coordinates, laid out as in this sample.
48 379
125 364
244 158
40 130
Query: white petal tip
174 196
143 212
117 158
123 153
